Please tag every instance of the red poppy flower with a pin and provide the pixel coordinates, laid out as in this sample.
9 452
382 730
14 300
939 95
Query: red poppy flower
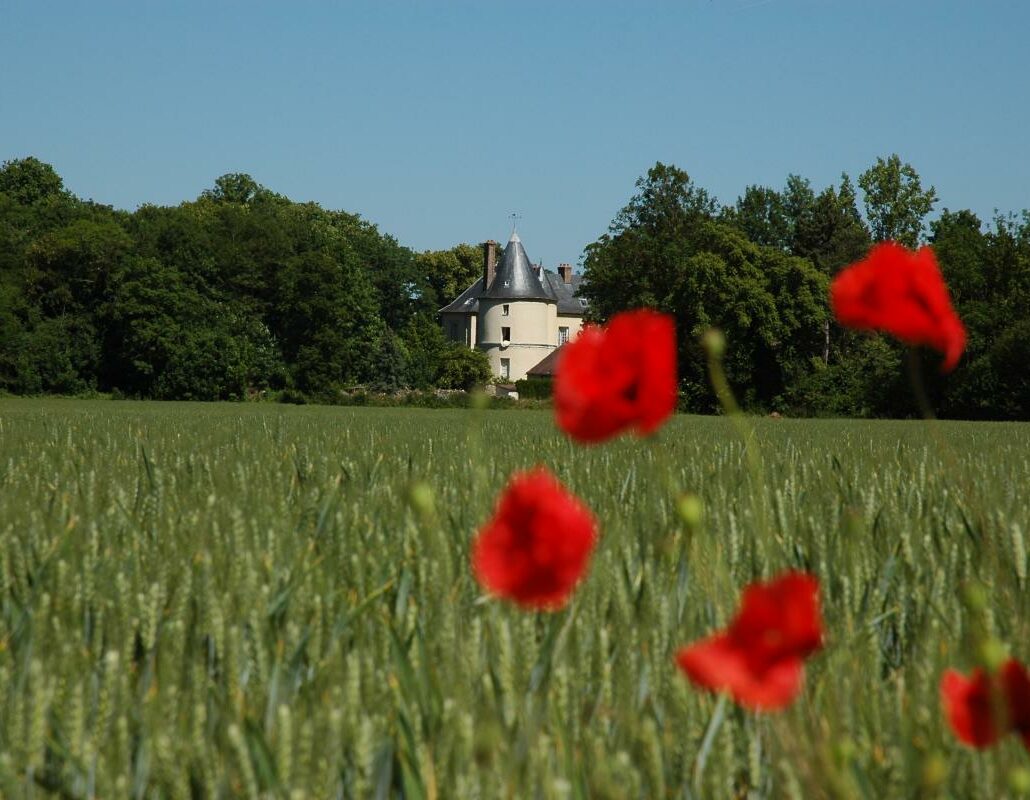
901 292
617 377
969 706
1016 686
759 658
538 544
982 707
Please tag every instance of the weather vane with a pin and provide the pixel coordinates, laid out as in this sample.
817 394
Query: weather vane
515 217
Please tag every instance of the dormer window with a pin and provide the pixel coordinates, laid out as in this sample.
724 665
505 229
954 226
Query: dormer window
504 310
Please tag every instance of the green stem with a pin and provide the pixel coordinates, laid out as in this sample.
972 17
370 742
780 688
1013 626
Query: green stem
718 715
915 374
746 431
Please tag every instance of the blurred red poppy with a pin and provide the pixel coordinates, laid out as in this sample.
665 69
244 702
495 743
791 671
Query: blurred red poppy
982 707
1016 685
902 292
759 658
537 546
617 377
969 706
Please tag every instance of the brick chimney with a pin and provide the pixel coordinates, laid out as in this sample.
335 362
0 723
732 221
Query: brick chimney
489 262
565 270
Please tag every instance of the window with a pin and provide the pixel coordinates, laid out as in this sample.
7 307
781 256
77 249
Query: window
505 336
504 310
563 335
506 368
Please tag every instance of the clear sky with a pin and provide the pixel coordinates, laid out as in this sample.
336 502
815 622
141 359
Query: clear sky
437 120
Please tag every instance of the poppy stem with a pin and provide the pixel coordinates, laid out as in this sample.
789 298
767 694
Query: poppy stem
714 345
915 373
714 723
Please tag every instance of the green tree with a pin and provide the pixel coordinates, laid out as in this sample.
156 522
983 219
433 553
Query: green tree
961 248
760 214
798 205
665 251
391 363
235 187
325 315
426 347
29 181
830 233
167 339
447 273
69 268
665 196
463 368
895 201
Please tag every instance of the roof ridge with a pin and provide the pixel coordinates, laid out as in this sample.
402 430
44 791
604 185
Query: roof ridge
515 278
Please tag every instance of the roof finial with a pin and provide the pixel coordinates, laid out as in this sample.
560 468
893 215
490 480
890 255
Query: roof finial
515 217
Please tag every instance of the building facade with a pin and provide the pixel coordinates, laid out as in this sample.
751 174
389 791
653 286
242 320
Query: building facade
518 313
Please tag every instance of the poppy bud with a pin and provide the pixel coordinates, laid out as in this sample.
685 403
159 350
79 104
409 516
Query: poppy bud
1019 780
690 509
420 495
714 343
479 400
934 772
992 653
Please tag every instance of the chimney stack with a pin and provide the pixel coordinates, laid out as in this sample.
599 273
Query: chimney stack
489 262
565 270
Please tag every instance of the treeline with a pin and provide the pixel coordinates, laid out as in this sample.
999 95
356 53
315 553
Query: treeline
244 291
759 270
239 291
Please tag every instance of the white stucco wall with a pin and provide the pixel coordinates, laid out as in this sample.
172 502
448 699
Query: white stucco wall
459 327
574 324
534 333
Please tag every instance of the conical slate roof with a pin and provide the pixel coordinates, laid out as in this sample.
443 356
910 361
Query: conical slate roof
515 279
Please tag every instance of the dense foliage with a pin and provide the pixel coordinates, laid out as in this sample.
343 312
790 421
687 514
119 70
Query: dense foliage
243 290
238 291
233 601
759 271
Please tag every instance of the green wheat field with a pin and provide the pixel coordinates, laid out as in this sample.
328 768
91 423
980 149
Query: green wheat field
258 601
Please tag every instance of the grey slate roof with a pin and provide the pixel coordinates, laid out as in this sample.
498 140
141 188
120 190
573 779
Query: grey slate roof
548 366
549 287
565 293
515 279
467 302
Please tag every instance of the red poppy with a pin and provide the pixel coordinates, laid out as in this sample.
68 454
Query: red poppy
902 292
969 705
759 658
1016 684
537 546
982 707
617 377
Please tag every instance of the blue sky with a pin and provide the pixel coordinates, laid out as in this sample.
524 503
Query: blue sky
437 120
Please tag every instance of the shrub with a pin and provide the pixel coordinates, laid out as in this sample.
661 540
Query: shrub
535 388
